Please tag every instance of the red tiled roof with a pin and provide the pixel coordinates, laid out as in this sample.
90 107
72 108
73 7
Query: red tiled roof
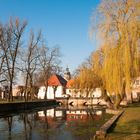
69 83
57 80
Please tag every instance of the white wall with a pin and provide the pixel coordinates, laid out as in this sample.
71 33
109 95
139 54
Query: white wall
59 91
41 92
136 83
50 92
96 93
15 91
136 89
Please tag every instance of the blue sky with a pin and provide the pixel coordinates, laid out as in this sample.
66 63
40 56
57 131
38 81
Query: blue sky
63 22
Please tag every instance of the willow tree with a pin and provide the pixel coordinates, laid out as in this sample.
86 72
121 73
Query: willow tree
119 26
87 79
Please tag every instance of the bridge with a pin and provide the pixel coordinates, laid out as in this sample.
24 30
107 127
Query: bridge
80 101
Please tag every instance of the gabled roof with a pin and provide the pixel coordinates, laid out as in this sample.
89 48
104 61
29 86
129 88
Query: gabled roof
57 80
69 83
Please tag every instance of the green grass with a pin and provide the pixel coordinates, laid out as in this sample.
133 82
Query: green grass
128 126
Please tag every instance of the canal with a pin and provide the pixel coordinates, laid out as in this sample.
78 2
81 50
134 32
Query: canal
57 123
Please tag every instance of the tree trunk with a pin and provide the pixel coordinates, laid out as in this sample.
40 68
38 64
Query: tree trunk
45 96
87 93
118 100
25 90
10 93
129 97
54 89
107 99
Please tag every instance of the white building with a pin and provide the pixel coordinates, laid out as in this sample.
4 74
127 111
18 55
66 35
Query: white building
96 93
136 89
55 89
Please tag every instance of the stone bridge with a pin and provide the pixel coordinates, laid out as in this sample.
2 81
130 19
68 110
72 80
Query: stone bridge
80 101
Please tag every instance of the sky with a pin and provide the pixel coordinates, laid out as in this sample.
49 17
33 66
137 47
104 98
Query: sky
64 23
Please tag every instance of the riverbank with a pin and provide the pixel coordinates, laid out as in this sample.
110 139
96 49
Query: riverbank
128 125
16 106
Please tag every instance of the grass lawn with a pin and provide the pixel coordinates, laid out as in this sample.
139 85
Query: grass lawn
128 125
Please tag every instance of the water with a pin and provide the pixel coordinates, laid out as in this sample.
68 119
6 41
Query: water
60 123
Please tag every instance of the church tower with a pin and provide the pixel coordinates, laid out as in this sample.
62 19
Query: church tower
67 75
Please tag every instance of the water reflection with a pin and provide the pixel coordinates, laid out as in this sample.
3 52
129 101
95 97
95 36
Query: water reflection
59 123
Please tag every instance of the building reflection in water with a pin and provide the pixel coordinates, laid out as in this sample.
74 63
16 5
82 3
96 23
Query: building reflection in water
49 124
69 114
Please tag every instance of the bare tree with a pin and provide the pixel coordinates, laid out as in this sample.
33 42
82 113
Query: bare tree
49 63
29 63
30 60
2 56
10 40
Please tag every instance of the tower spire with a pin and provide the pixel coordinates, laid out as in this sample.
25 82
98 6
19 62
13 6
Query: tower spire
67 74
